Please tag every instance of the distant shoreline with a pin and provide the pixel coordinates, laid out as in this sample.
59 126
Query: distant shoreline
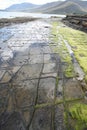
16 20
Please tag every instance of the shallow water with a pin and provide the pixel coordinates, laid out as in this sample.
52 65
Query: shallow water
14 37
4 14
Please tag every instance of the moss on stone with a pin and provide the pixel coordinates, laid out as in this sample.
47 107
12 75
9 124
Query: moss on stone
68 71
78 42
61 49
78 114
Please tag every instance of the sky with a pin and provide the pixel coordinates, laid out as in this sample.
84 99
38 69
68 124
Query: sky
6 3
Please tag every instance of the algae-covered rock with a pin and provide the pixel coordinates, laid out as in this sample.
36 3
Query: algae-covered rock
78 116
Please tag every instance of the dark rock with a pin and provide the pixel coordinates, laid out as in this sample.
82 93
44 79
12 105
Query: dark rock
86 93
84 86
46 27
76 21
84 23
12 121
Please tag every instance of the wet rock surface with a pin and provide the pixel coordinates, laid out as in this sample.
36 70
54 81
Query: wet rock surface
29 90
7 122
28 73
17 20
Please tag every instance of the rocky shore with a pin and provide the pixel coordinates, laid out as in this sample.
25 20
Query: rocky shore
76 21
39 77
17 20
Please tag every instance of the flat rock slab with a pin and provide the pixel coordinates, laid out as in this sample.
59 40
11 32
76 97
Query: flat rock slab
46 90
50 68
26 72
73 90
35 59
49 58
42 120
25 93
20 58
35 50
12 121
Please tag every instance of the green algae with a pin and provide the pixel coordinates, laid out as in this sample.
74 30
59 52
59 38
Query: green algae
60 48
78 115
78 42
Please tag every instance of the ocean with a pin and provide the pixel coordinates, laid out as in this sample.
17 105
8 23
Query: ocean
4 14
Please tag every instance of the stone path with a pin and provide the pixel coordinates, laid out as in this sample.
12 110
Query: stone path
29 72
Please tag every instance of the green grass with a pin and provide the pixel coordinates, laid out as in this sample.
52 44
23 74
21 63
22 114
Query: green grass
78 42
61 49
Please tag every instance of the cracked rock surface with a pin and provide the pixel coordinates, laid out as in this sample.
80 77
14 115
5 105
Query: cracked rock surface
28 79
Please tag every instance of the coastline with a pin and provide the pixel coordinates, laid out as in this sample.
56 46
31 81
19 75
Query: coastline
16 20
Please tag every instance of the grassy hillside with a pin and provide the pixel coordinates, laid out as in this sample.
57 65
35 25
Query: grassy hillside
67 8
63 7
47 6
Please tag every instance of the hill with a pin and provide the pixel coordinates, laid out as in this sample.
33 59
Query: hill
21 7
67 7
83 4
44 7
58 7
64 7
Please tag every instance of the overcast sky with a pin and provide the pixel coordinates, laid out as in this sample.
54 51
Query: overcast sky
6 3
